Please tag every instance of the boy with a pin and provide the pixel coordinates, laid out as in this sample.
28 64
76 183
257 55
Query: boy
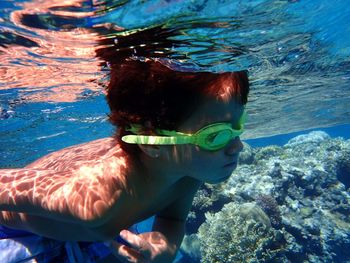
175 130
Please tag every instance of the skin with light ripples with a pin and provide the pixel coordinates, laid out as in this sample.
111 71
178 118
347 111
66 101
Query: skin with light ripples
93 192
48 185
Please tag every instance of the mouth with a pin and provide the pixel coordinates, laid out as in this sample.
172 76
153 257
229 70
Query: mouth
230 165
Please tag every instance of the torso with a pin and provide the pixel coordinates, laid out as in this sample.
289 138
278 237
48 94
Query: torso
140 197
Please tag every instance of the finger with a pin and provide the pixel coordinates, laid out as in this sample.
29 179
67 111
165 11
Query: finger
123 253
137 243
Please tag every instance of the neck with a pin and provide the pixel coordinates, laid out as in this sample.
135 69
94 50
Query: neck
159 172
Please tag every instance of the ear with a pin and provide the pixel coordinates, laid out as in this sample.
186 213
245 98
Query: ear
152 151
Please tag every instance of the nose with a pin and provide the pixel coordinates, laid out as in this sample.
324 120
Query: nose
234 147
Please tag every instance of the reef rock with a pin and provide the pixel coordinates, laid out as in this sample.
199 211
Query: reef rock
302 187
238 233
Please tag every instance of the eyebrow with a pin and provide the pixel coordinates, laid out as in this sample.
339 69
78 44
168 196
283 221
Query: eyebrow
233 119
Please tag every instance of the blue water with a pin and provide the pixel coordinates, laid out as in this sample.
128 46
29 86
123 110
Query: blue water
297 54
342 131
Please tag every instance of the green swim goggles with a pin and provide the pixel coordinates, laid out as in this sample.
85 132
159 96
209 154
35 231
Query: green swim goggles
212 137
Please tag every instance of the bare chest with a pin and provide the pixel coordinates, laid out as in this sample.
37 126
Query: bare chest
149 200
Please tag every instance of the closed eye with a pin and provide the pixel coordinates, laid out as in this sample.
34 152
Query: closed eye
218 138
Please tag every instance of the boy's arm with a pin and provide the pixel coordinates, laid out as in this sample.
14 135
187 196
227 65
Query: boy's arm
83 196
47 227
160 245
171 220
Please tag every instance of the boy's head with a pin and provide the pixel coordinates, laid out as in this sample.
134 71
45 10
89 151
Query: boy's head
157 97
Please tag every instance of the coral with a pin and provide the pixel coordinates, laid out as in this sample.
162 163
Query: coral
343 169
247 155
238 233
268 152
203 199
314 137
191 247
309 178
269 205
207 198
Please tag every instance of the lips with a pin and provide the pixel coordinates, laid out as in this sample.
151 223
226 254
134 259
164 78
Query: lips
233 164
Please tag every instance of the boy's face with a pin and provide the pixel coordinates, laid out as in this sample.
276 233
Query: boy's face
209 166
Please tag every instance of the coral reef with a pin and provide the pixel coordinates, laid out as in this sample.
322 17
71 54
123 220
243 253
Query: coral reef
269 205
238 233
302 187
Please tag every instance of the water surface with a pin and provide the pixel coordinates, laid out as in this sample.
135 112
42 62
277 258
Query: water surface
296 53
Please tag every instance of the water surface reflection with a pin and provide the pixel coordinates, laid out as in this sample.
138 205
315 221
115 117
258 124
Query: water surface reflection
48 52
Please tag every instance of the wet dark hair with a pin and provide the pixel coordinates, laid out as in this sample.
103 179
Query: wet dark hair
149 91
155 96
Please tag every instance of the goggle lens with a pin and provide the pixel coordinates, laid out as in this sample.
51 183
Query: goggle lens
218 139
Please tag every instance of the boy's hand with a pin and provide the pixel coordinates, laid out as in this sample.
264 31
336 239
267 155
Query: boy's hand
146 247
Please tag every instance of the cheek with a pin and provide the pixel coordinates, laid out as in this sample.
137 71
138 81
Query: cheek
183 154
180 155
192 158
205 160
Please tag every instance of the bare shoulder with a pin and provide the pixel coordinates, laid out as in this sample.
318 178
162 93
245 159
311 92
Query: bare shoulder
81 155
80 184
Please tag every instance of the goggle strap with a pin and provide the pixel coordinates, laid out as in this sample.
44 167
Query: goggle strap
156 140
136 128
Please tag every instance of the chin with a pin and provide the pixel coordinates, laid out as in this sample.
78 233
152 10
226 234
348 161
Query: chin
218 180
